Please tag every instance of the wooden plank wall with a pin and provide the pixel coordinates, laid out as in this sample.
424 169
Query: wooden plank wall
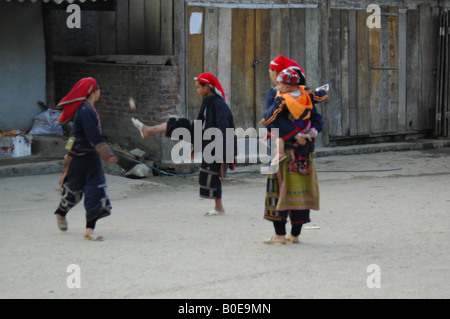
242 70
382 79
232 40
144 27
446 100
390 90
443 81
364 95
387 81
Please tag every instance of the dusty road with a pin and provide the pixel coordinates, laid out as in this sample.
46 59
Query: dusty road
382 232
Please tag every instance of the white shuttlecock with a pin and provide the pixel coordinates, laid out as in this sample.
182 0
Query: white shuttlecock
132 104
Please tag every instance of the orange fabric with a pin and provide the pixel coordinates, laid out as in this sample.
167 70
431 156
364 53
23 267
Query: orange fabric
300 107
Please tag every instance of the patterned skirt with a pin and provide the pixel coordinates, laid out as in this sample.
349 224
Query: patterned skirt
290 189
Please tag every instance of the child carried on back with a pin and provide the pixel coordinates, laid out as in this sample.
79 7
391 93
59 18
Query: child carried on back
290 113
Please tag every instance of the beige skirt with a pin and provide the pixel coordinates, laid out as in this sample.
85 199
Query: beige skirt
288 190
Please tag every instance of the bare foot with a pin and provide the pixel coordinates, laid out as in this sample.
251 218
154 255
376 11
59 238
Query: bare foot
292 239
90 235
275 240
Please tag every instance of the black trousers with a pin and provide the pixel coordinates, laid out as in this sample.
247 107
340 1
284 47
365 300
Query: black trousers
297 217
85 177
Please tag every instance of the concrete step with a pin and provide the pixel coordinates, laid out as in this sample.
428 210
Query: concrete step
49 145
47 154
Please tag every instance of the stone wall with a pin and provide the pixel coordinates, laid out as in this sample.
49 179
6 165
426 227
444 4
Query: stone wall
155 89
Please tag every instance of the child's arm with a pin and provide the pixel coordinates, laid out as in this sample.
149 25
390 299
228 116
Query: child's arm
273 111
317 96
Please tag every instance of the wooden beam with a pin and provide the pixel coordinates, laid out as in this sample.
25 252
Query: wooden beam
352 74
180 51
137 27
150 35
134 59
297 36
446 98
123 27
275 33
335 122
166 28
211 40
426 64
375 101
106 43
345 112
440 76
324 8
224 56
262 53
402 52
413 77
194 63
392 51
363 76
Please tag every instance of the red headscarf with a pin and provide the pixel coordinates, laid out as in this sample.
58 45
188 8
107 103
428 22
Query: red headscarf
281 63
211 80
76 96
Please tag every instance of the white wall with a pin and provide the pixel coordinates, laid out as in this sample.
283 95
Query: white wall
22 63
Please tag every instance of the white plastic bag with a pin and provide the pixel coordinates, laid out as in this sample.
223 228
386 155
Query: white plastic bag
47 123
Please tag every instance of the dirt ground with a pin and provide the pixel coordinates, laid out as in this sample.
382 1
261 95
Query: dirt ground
391 211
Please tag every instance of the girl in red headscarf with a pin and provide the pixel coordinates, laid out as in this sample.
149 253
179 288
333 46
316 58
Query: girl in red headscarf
83 172
214 114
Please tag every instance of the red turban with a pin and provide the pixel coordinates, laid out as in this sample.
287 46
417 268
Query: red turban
281 63
76 96
211 80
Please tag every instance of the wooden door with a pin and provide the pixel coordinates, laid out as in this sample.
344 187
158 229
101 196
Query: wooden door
225 46
364 95
382 79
